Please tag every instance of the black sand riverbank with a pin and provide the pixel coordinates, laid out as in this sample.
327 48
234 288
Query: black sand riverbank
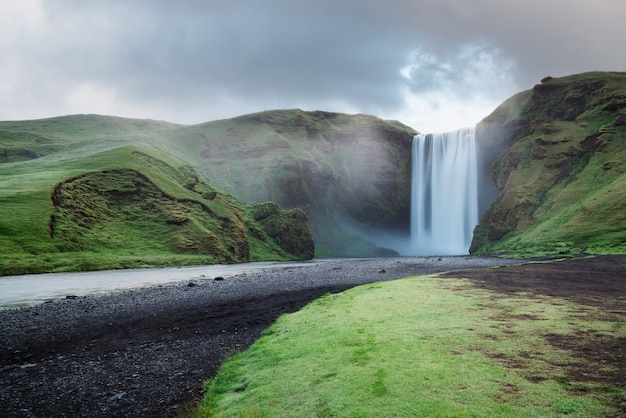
146 352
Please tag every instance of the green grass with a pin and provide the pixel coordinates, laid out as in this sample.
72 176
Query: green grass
415 347
563 180
129 206
333 166
284 156
583 212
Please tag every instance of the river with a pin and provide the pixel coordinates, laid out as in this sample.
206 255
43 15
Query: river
31 289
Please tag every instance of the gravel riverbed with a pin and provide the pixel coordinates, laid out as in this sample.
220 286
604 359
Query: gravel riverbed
146 352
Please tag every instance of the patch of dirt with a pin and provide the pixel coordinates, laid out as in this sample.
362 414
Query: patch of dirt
598 281
598 284
605 357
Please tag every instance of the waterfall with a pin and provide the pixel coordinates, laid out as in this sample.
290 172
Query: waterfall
444 197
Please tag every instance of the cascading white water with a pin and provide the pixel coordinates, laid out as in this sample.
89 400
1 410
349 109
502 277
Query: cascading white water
444 200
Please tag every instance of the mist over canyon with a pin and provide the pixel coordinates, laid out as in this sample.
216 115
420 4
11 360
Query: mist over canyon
548 166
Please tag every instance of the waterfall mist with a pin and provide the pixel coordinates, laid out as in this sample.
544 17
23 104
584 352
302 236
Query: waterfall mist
444 200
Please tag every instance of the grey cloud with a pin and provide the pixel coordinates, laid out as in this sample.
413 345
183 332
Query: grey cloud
242 51
291 56
286 53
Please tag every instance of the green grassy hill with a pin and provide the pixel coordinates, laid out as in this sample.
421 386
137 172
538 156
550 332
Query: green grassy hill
90 192
349 173
560 168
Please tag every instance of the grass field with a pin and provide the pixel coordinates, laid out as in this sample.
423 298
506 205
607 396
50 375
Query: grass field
92 192
418 347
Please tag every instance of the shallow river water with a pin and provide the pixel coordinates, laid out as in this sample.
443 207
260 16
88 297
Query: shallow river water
31 289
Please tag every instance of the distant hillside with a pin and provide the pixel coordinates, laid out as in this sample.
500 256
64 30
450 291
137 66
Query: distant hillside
559 164
90 192
349 173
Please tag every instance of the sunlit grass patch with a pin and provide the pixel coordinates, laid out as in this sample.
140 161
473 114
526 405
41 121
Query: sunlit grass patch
414 347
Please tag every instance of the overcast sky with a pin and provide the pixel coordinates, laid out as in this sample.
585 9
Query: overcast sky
435 65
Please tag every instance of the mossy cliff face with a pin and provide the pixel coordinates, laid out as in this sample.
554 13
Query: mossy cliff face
557 156
102 208
122 208
348 173
289 228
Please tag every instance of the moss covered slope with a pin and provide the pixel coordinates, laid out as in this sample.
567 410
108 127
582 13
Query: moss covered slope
110 198
560 168
349 173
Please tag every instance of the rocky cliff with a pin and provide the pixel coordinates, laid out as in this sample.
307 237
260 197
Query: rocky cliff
557 158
